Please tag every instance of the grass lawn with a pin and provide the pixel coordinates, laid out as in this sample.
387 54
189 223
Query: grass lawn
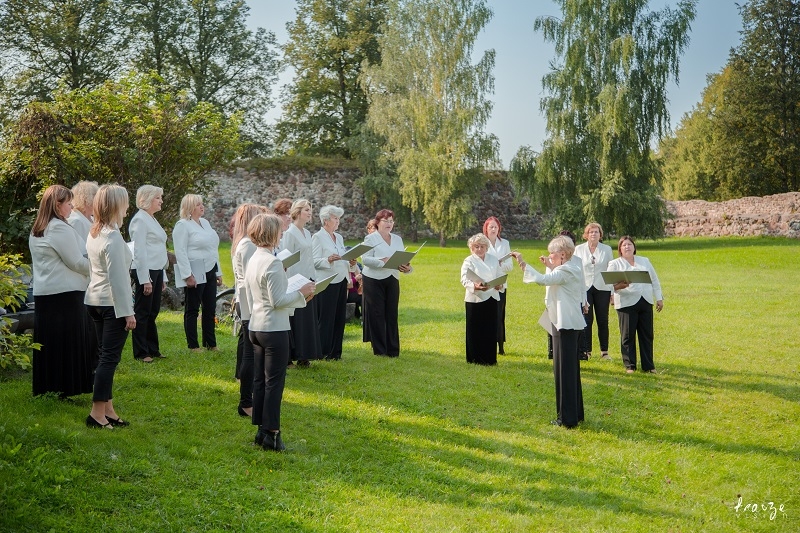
426 442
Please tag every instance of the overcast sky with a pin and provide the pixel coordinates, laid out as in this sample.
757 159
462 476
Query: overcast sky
522 59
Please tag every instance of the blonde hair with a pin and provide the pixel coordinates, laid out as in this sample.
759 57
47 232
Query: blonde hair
265 230
83 194
562 243
591 225
48 208
298 206
146 194
110 204
188 203
241 218
478 238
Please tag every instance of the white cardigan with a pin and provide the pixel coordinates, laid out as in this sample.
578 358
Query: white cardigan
324 247
149 246
195 243
265 290
295 239
565 295
487 269
82 225
241 256
630 295
373 266
58 262
592 269
500 248
111 260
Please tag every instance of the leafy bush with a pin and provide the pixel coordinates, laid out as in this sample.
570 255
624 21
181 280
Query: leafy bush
14 349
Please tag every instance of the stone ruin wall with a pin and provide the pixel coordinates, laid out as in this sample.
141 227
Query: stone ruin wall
777 215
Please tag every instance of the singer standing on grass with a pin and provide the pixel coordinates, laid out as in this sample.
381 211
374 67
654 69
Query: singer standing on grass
481 302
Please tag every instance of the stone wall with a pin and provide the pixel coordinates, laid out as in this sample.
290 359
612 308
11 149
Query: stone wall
337 187
777 215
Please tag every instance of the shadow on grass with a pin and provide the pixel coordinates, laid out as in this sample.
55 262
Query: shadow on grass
410 316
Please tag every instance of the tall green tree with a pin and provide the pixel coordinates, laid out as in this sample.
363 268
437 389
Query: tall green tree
429 101
329 42
128 132
607 103
156 25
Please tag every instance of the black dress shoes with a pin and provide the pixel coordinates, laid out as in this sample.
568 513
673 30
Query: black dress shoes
117 423
259 440
272 441
94 424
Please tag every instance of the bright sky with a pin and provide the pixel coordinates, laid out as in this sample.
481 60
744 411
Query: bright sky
522 59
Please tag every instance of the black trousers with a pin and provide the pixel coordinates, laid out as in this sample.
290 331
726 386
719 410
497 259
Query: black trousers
203 295
331 314
144 338
271 356
567 372
381 299
481 331
599 302
245 368
637 321
501 321
111 337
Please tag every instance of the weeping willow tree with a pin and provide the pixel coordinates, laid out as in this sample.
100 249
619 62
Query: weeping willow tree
607 103
429 103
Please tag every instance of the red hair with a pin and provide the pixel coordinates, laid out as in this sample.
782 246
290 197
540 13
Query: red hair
384 213
496 221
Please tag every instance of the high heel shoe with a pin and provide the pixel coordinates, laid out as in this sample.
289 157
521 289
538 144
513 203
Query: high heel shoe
117 423
273 441
242 412
94 424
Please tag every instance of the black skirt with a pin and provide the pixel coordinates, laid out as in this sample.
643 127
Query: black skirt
481 332
305 333
65 363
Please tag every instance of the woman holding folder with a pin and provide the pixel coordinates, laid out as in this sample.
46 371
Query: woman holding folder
634 305
481 301
382 286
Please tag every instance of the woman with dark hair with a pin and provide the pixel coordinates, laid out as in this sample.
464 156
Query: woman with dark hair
634 305
499 248
382 287
108 298
269 303
148 271
64 363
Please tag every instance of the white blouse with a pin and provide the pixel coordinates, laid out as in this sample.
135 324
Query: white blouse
241 256
111 282
195 243
630 295
149 246
487 269
82 225
59 264
295 239
265 291
594 264
324 247
565 295
500 248
373 266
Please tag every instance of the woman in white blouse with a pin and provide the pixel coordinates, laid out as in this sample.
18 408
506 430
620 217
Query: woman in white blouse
269 302
242 249
332 302
382 287
82 209
108 298
197 270
499 247
148 271
634 305
65 361
564 308
595 257
481 301
305 330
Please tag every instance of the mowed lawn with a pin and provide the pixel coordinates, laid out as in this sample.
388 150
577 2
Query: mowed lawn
427 443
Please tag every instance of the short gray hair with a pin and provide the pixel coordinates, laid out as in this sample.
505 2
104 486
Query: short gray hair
330 210
83 194
562 243
478 238
146 194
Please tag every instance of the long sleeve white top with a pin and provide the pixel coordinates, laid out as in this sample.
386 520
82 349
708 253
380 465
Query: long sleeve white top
487 269
630 295
372 259
149 246
110 283
295 239
240 258
324 246
59 264
594 264
265 291
500 248
82 225
194 242
565 295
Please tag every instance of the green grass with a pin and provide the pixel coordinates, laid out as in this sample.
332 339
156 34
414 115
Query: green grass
426 442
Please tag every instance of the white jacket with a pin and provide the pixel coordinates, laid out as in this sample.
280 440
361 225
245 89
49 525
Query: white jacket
149 246
487 269
295 239
630 295
195 243
82 225
58 262
324 247
265 290
111 260
241 256
500 248
565 295
373 266
594 264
